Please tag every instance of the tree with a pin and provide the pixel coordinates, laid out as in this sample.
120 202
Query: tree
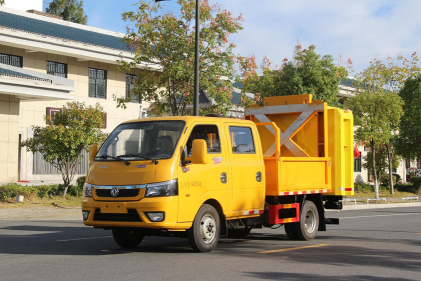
74 128
375 113
408 143
381 161
70 10
307 73
389 75
1 2
164 44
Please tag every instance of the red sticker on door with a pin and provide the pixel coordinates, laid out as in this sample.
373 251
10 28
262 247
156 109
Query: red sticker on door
217 160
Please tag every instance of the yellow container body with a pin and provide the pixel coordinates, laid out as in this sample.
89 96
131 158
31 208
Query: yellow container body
341 150
307 146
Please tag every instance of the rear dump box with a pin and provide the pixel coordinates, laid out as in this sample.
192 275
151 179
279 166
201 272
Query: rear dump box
307 146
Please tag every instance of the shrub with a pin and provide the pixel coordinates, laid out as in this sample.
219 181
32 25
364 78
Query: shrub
363 187
405 187
385 180
44 190
12 190
416 182
80 181
75 190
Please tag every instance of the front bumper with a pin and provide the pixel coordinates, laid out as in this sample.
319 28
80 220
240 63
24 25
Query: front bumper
117 209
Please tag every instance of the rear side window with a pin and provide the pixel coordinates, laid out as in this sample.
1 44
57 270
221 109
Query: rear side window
241 140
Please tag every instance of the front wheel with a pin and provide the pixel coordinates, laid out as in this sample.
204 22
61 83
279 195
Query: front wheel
204 233
127 238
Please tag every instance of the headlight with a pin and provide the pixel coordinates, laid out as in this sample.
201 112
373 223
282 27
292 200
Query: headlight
87 190
166 188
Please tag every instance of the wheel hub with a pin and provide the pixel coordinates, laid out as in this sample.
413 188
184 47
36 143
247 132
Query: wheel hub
310 221
208 228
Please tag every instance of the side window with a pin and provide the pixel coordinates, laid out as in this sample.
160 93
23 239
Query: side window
241 140
209 133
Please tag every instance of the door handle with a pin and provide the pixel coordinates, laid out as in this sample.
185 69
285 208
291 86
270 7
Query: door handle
224 177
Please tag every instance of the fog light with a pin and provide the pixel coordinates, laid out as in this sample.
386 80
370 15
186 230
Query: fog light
156 217
85 215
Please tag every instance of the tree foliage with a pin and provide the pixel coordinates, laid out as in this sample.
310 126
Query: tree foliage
408 143
69 10
164 43
307 73
388 76
376 113
73 129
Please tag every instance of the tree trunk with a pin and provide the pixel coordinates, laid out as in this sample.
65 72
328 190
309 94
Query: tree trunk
376 185
389 156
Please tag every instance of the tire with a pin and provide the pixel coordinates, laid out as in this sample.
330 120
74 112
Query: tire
239 232
290 231
127 238
307 227
204 234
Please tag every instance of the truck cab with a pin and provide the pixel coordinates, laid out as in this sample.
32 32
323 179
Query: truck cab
179 176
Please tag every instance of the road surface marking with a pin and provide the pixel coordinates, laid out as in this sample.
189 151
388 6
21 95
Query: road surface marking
290 249
380 216
83 238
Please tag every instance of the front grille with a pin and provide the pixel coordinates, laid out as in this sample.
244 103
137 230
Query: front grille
131 216
121 193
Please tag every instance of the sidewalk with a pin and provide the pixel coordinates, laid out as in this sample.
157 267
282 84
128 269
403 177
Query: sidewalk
41 213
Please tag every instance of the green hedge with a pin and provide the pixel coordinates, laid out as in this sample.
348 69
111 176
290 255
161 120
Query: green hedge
12 190
363 187
405 187
385 180
416 182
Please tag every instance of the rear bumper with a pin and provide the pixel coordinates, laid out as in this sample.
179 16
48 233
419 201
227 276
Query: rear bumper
119 210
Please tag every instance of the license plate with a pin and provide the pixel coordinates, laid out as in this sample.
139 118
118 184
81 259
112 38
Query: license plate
114 208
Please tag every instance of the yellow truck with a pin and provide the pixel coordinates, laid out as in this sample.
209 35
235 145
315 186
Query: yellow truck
202 177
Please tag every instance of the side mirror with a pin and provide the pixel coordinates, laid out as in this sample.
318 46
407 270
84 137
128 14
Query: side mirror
199 152
92 152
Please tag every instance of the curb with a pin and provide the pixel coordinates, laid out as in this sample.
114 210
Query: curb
379 206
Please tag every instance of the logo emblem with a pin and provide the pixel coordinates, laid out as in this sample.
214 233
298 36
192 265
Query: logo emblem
114 192
102 167
140 166
217 160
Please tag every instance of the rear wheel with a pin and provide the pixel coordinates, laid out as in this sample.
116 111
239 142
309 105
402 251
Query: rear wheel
127 238
307 227
239 232
290 231
204 233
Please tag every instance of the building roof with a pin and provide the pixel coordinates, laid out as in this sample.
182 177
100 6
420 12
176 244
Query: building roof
52 29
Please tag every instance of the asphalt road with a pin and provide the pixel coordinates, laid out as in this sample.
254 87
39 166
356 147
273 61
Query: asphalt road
381 244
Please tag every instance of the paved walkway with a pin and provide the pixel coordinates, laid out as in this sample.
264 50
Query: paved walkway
41 213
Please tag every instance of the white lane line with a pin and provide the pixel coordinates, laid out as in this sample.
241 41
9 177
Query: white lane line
380 216
83 238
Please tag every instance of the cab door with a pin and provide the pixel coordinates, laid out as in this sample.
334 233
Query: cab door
199 182
246 168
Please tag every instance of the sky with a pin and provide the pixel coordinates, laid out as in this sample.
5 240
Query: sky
358 29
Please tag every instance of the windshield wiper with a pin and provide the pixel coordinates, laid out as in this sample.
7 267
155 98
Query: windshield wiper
113 157
140 156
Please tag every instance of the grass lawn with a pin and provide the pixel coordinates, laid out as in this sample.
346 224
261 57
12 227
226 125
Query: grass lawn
54 201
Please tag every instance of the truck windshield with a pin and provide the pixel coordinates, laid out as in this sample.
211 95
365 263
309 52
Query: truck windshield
149 140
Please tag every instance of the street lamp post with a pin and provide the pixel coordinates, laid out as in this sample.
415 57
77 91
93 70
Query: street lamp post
196 59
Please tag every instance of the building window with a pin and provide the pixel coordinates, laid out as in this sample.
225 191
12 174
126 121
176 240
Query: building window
130 81
11 60
57 69
97 83
357 164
